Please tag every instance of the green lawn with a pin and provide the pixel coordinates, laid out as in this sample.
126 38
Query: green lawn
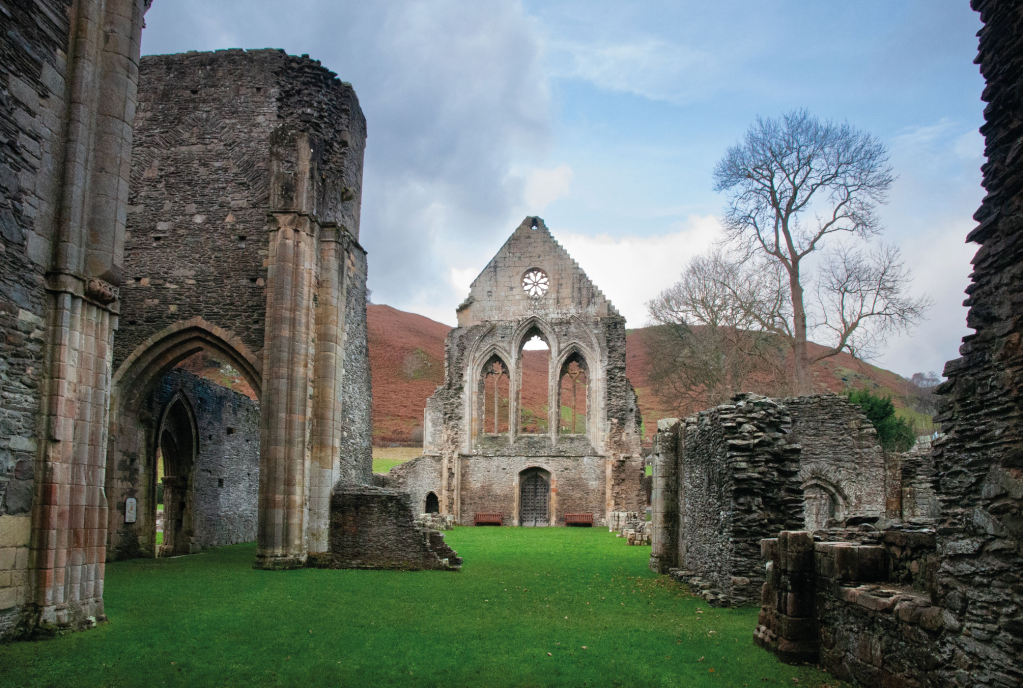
543 607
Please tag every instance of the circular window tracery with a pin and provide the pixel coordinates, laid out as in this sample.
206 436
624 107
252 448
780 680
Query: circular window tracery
535 282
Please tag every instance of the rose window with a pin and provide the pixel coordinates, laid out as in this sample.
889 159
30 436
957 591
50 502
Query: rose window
535 282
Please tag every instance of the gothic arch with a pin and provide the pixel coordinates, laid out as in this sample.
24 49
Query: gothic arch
133 432
162 351
822 501
525 326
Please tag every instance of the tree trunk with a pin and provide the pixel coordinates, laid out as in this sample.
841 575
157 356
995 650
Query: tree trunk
800 354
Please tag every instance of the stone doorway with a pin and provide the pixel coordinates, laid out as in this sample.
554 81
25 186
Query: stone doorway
177 442
535 495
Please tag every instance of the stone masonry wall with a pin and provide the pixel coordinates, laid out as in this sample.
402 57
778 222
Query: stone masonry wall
738 483
841 603
373 527
33 69
979 462
598 471
65 139
225 477
196 241
839 453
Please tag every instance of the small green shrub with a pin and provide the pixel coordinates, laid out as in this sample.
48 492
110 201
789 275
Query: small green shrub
894 433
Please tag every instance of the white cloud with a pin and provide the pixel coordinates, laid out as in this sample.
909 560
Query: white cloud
651 67
632 270
543 187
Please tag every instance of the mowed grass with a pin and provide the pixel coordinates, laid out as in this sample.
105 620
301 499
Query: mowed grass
386 458
531 607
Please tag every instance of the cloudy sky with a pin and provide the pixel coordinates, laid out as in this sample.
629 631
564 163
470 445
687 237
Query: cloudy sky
606 119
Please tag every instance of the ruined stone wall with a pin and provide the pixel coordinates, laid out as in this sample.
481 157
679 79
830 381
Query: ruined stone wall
201 183
917 499
243 241
860 607
839 455
979 462
356 426
374 528
225 475
738 482
33 70
417 477
598 471
65 120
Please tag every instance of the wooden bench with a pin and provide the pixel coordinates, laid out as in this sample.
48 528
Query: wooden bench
579 520
488 520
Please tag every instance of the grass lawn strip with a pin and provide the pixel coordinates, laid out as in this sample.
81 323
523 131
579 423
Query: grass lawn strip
531 607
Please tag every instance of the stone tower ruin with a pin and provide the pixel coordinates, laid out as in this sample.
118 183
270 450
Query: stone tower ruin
243 241
490 446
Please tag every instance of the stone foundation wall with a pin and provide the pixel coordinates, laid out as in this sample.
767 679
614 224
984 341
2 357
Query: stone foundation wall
374 528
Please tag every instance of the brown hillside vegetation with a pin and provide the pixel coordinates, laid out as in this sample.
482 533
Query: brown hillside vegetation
407 358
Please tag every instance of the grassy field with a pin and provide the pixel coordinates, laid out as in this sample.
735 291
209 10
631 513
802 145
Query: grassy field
386 458
543 607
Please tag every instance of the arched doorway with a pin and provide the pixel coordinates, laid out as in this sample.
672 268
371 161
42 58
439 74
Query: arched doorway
534 498
177 444
432 504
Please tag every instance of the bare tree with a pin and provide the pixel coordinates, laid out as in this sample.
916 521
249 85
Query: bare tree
794 182
717 333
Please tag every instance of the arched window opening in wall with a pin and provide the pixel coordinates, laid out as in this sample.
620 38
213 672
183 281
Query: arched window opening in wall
495 397
432 504
574 390
176 449
535 359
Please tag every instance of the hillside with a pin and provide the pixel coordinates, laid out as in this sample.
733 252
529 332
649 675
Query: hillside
407 358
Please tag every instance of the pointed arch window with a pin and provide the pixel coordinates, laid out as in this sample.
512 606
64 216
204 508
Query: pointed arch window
535 361
573 385
495 386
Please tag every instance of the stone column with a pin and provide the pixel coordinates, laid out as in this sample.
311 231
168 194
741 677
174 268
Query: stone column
286 402
328 373
69 523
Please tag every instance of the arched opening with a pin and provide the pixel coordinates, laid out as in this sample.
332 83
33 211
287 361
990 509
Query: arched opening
495 386
534 498
195 376
821 504
534 389
432 504
573 385
177 443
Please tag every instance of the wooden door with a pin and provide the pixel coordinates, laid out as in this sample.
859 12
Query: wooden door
535 499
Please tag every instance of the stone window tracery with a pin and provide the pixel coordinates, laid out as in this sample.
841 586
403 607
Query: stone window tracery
535 282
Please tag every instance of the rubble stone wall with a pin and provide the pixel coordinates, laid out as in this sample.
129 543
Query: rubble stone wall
225 475
738 482
849 606
979 462
374 528
839 455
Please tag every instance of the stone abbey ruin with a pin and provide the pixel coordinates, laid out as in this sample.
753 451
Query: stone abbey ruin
481 453
159 212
